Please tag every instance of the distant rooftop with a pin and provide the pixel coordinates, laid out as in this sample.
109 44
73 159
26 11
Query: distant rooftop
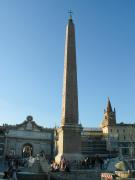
125 124
92 129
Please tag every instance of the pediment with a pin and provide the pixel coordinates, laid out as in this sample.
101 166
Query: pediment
29 125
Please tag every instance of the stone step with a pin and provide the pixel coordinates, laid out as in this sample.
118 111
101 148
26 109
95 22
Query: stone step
76 175
1 175
44 165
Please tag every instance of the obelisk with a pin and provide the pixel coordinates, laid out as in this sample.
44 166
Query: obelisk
69 133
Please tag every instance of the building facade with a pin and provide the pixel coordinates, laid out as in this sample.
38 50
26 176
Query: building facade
120 137
27 138
93 143
2 142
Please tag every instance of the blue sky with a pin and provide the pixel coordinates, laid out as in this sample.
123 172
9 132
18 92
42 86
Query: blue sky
32 38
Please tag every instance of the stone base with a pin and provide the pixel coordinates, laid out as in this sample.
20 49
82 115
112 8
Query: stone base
82 174
69 157
33 176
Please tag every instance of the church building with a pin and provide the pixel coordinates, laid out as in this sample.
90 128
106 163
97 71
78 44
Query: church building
120 137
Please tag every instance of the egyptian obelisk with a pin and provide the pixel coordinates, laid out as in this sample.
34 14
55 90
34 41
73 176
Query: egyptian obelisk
69 133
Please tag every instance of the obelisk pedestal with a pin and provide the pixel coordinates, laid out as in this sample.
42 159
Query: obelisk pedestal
69 143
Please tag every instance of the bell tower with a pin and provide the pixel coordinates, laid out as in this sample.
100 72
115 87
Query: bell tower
109 116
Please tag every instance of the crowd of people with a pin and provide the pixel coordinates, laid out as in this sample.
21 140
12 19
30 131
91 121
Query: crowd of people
14 164
87 163
93 163
64 165
10 172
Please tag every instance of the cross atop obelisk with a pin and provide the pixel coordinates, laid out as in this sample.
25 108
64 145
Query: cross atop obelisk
70 94
70 14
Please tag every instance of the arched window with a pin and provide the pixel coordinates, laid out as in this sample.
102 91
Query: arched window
27 150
